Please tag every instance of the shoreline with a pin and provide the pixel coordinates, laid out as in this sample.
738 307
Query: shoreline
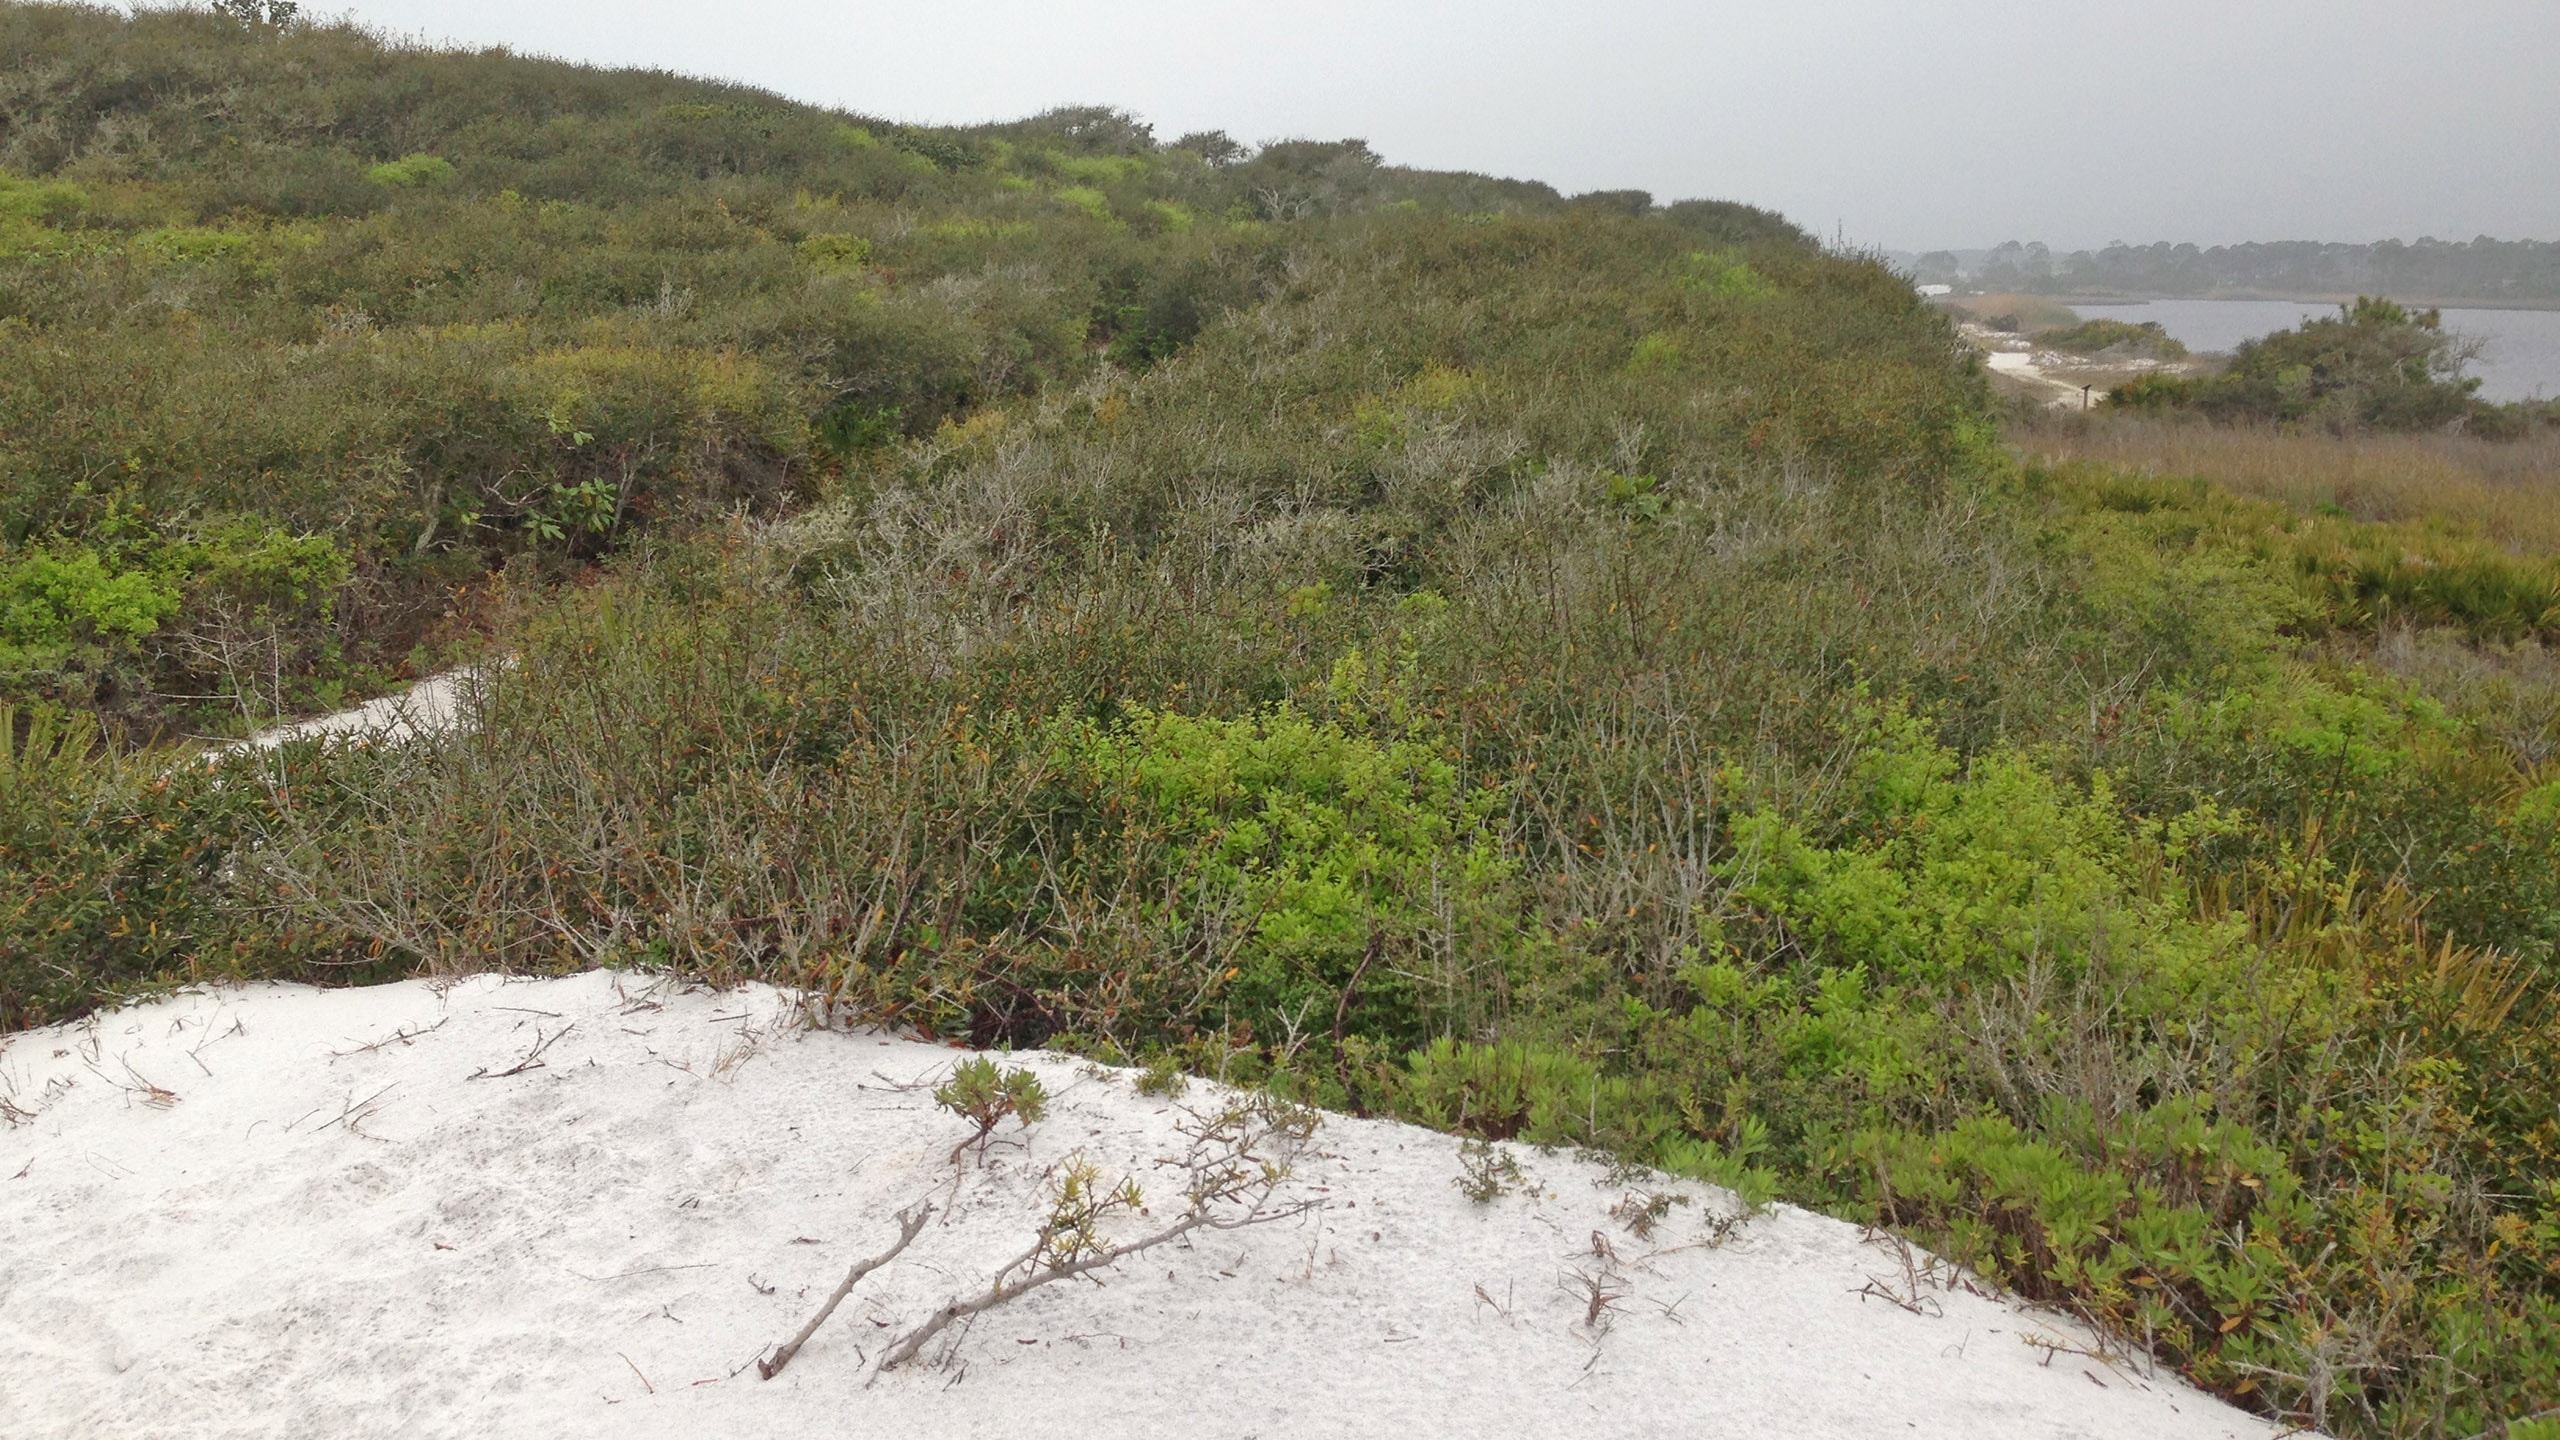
2291 298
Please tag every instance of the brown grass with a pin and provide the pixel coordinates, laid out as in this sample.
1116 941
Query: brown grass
2507 493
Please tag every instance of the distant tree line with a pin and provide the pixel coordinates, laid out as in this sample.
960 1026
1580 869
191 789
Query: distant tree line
2483 270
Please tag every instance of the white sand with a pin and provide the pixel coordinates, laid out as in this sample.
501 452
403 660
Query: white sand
430 707
219 1222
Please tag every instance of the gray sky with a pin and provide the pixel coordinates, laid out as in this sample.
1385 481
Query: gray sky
1910 125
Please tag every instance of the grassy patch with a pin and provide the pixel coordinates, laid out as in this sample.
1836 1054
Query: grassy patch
2506 492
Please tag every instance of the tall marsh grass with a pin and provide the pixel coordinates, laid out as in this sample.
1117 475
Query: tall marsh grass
2505 492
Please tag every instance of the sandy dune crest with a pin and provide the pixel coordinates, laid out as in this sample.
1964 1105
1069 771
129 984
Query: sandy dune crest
586 1206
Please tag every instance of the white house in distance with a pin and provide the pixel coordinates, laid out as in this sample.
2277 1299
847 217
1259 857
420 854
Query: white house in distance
1932 292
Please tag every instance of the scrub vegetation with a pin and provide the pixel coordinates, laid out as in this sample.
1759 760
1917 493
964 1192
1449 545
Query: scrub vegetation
1578 672
2114 339
2374 366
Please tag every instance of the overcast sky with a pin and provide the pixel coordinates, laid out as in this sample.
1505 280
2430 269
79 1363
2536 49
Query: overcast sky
1901 123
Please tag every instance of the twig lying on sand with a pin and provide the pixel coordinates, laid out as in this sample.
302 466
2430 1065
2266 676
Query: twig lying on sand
355 1112
532 1058
1231 1185
1036 1274
149 1092
1916 1277
910 1224
401 1036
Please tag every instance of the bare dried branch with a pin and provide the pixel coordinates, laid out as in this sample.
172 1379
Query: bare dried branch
910 1225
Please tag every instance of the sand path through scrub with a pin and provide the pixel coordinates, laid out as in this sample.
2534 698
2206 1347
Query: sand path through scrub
586 1206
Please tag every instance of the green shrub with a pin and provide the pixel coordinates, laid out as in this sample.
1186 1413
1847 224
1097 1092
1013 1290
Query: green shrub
56 602
2374 365
985 1096
2350 573
835 252
1655 352
411 171
1090 201
1339 861
185 244
128 874
1726 277
2148 339
162 608
45 201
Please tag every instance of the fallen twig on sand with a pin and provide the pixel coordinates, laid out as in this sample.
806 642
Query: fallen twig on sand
136 1084
1231 1185
1039 1266
910 1224
532 1058
355 1112
1912 1294
400 1036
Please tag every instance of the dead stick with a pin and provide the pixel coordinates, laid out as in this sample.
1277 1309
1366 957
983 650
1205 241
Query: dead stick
910 1224
397 1037
914 1340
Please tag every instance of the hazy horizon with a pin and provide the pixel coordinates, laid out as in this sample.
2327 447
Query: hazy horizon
1952 126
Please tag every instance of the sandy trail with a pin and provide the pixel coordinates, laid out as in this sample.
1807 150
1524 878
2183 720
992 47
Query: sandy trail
430 707
2029 367
585 1206
2058 380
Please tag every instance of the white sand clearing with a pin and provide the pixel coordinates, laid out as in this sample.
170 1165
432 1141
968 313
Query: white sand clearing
584 1207
2034 367
430 707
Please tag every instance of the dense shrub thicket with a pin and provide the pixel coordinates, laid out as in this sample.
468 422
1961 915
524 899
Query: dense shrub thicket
2114 340
307 334
1577 672
2375 365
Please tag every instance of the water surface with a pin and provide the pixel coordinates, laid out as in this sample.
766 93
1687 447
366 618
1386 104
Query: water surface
2522 361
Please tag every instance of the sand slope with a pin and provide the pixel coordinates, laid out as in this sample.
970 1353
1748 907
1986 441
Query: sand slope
223 1218
429 707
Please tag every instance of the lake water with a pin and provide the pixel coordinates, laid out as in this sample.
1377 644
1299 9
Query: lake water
2521 363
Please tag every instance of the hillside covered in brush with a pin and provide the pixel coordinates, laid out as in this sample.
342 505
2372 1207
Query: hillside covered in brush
307 333
1573 670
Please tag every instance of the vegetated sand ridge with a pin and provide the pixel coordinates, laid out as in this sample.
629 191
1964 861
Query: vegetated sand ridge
587 1206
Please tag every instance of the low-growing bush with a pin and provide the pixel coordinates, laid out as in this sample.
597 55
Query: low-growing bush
2355 573
986 1096
2372 366
129 874
2114 339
